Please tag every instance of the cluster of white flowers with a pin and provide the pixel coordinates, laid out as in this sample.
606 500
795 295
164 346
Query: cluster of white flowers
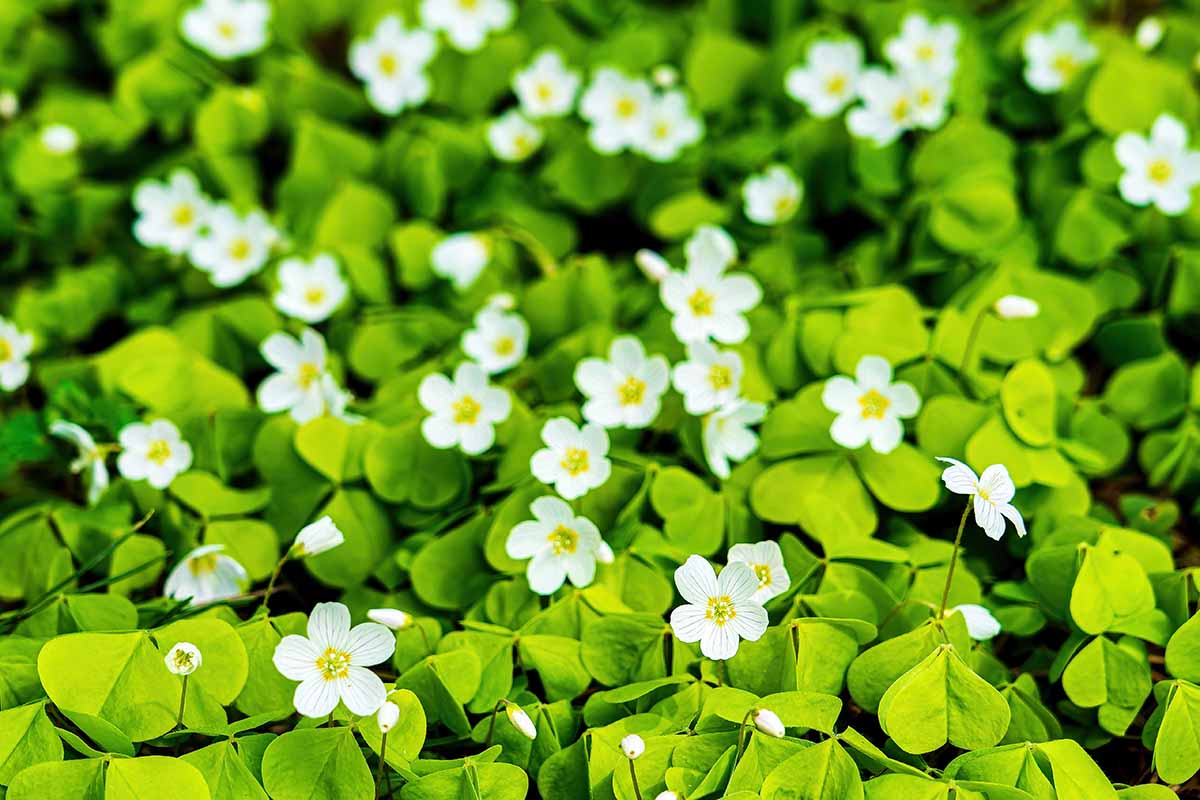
545 88
302 384
630 114
227 29
1159 170
1055 57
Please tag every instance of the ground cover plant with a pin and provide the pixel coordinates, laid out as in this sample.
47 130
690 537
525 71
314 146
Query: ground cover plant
589 398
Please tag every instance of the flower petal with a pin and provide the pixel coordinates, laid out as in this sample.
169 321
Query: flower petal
370 643
840 394
316 697
362 691
296 658
958 477
873 372
719 642
696 580
689 623
329 625
737 581
750 620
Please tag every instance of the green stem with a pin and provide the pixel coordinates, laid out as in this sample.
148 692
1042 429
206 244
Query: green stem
424 637
379 771
722 673
962 523
972 336
271 583
668 653
533 245
637 791
182 702
329 722
742 736
492 726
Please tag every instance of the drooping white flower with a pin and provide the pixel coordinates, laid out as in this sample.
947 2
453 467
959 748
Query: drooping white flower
727 435
929 93
10 104
464 412
1053 58
558 544
331 662
15 348
296 386
769 723
670 127
1149 33
391 62
709 379
618 108
227 29
387 716
547 87
870 406
183 659
626 390
712 245
154 453
1159 170
924 45
633 746
719 611
520 720
574 459
887 109
828 80
310 291
170 213
708 304
498 341
317 537
765 559
992 493
981 625
392 618
773 196
512 137
460 258
89 460
652 265
59 139
467 23
1014 306
206 575
233 247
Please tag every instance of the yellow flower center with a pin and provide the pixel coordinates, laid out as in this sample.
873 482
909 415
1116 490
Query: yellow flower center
574 461
183 215
466 410
563 540
203 565
468 5
784 206
544 91
1160 171
701 303
226 29
720 377
314 295
763 573
926 52
158 452
900 110
1065 65
6 350
334 664
522 144
873 404
239 249
662 130
835 84
924 97
720 609
388 64
626 107
505 346
631 392
979 490
309 374
182 660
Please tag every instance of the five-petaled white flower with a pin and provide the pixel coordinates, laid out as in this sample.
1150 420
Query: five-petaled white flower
227 29
1159 170
498 341
710 244
331 662
670 127
887 109
618 108
90 458
870 406
462 412
467 23
828 81
14 356
981 625
460 258
1053 58
154 452
924 45
296 386
709 379
929 93
558 544
727 435
547 87
392 62
233 247
183 658
205 575
170 213
708 304
574 459
719 611
1014 306
626 390
317 537
512 137
59 139
766 560
773 196
992 493
310 291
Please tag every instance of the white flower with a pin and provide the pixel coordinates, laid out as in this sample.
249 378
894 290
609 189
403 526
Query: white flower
769 723
392 618
14 354
772 197
392 62
652 265
670 127
1054 58
870 406
627 389
520 720
727 435
633 746
59 139
1149 33
153 452
992 493
500 301
929 93
170 214
707 304
205 575
887 110
498 341
1014 306
462 412
90 457
10 104
558 544
923 45
664 76
709 379
1159 170
765 559
296 387
388 716
512 137
574 459
720 611
227 28
828 81
712 245
183 659
981 625
618 108
666 795
331 662
467 23
310 291
317 537
546 88
233 247
460 258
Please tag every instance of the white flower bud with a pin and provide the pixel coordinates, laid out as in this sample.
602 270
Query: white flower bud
387 716
652 265
520 720
667 795
501 301
633 746
10 104
60 139
183 659
318 537
665 76
604 554
981 625
393 618
769 722
1014 306
1149 33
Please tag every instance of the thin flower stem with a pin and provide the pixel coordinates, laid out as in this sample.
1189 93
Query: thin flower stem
742 736
271 583
329 722
182 702
492 726
962 523
637 791
969 349
424 637
722 673
668 645
533 245
382 761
